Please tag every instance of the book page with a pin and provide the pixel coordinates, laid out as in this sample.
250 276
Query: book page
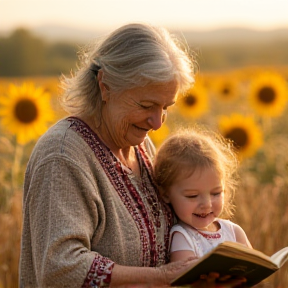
245 253
280 257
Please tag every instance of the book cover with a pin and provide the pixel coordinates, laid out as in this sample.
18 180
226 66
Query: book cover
236 260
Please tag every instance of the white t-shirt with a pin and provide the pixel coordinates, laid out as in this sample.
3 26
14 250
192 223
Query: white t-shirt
200 242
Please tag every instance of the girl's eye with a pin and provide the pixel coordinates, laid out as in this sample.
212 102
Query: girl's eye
217 194
191 196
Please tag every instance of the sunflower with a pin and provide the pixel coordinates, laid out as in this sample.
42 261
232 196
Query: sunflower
226 88
25 111
268 94
159 135
194 103
244 133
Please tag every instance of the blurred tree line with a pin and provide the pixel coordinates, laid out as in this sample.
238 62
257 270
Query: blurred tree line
238 55
24 54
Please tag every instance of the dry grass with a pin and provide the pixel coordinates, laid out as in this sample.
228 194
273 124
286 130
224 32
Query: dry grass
262 212
10 223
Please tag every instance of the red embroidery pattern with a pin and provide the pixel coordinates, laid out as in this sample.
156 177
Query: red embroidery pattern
155 198
148 218
99 274
215 235
210 236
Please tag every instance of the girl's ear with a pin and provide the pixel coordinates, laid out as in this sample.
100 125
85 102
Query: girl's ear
164 195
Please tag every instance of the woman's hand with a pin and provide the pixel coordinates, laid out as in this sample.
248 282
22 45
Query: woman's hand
172 270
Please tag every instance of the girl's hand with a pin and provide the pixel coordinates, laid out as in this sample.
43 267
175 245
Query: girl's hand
214 281
171 271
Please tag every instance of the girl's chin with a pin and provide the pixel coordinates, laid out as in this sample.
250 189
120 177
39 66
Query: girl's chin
203 223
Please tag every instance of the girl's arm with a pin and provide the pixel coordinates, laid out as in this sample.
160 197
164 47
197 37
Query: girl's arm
183 254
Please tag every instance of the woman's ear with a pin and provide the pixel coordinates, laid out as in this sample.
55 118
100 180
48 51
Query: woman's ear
102 86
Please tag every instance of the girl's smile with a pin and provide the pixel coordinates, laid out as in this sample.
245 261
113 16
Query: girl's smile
202 215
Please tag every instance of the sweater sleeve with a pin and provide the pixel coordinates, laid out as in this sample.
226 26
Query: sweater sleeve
65 211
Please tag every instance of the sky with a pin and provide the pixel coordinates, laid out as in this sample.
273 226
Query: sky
176 14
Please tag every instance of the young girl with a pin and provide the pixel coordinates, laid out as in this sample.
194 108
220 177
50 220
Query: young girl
195 171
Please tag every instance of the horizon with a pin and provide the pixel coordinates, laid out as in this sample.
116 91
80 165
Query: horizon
110 14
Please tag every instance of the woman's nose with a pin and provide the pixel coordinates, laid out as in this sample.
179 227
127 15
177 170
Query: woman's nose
157 118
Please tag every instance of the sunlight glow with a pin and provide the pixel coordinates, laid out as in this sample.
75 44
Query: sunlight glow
108 14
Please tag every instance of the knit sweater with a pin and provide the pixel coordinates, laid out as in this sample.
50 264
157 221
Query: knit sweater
82 211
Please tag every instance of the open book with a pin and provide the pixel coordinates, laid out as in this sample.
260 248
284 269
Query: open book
235 259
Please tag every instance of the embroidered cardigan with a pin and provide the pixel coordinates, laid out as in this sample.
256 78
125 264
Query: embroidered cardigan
82 212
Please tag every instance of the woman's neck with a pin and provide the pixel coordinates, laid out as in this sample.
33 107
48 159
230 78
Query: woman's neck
125 155
129 159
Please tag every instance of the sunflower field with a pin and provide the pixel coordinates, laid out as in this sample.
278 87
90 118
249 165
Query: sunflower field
247 106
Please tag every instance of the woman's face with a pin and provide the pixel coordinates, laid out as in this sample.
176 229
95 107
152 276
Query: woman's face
128 116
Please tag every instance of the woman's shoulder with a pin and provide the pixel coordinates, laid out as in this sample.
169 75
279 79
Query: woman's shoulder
56 131
55 136
60 141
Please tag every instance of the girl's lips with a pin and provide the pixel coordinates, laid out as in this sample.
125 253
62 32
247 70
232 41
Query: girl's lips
203 215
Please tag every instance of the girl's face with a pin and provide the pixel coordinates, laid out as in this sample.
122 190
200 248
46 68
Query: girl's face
130 115
199 199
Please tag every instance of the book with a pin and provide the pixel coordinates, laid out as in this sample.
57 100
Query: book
235 259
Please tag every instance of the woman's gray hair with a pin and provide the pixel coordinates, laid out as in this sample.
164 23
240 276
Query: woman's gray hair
132 56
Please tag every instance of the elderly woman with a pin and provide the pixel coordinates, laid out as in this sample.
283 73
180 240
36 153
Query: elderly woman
92 213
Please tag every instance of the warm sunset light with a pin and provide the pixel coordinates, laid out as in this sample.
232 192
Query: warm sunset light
80 184
181 14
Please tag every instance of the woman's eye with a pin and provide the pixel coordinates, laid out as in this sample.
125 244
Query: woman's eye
145 107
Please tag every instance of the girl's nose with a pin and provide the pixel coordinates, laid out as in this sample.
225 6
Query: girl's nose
206 202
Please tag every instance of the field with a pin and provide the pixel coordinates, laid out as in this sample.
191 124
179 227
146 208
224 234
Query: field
248 106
